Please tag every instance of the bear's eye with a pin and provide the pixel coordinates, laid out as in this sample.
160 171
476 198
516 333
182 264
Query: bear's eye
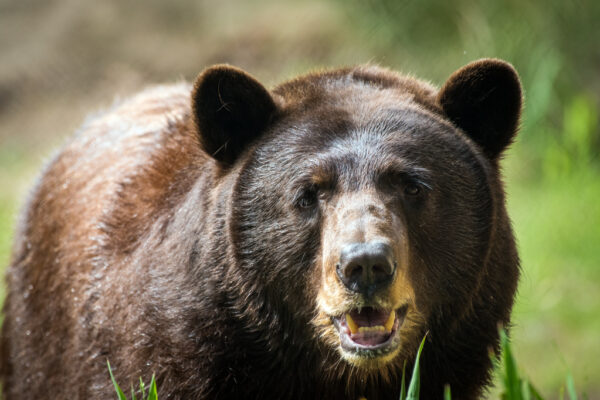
412 189
401 182
308 198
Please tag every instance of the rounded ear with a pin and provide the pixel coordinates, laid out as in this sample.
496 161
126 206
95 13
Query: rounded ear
484 99
231 109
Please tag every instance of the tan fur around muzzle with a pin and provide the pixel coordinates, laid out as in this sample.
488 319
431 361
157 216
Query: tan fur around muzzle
360 217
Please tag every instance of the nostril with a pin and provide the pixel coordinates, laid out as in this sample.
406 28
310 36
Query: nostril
354 272
350 271
379 270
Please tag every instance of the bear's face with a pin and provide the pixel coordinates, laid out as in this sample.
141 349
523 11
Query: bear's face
371 216
359 209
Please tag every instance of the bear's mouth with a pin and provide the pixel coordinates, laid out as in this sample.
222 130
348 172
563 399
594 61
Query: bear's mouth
370 331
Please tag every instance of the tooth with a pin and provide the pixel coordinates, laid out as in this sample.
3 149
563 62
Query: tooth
351 324
389 324
376 328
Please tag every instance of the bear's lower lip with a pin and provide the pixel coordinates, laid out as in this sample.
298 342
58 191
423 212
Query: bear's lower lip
371 332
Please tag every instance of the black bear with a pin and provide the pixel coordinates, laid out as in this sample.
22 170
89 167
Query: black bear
294 243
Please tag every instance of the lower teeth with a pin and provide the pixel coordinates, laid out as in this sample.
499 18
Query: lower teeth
377 328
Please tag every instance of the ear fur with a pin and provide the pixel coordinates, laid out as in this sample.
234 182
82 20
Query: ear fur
484 99
231 109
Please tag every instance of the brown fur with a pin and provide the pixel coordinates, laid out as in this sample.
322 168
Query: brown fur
199 240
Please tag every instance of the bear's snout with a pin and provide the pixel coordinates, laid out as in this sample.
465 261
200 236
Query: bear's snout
365 256
366 267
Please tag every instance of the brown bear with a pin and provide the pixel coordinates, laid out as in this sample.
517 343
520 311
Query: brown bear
296 243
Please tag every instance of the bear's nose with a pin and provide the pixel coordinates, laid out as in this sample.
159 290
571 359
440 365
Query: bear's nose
366 267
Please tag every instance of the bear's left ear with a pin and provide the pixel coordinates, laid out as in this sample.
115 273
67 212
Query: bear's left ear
231 109
484 99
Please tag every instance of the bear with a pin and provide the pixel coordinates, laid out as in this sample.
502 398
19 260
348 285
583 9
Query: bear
298 242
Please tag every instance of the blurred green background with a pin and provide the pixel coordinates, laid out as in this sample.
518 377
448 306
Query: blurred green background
61 60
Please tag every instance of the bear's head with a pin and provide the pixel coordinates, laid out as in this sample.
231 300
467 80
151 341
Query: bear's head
365 207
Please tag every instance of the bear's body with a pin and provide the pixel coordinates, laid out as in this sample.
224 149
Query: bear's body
213 241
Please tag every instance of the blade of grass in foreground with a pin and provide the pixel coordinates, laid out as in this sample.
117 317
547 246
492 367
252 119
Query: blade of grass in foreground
117 388
571 387
515 387
403 387
142 388
415 381
532 392
447 393
512 384
153 392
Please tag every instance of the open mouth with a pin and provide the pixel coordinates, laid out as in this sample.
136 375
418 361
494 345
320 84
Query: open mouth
370 331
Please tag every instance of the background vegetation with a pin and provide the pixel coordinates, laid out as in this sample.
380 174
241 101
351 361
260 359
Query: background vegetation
63 59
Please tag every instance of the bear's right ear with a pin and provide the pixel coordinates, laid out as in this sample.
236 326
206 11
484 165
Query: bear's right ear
231 109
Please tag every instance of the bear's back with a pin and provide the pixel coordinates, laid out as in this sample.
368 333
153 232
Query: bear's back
90 209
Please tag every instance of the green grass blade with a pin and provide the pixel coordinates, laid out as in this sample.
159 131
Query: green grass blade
512 384
142 388
571 387
133 393
525 391
534 392
415 382
117 388
403 387
447 393
153 392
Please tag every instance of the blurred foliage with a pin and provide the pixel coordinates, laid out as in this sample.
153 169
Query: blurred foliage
576 146
64 59
551 43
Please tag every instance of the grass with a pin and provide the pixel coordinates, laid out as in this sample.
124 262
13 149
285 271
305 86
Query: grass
415 382
513 385
558 304
152 390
